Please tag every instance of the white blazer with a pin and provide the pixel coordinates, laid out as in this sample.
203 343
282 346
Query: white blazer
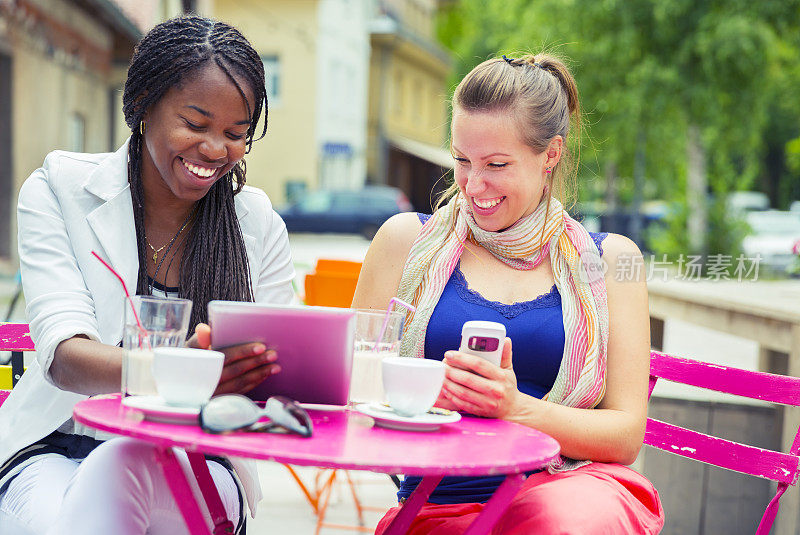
72 205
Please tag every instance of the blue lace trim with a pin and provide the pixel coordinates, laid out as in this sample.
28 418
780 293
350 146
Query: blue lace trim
549 299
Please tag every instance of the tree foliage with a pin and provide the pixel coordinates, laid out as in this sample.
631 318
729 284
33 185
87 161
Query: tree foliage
648 70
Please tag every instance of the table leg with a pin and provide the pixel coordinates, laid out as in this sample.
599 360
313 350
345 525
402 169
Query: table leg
414 503
219 516
496 505
181 491
313 501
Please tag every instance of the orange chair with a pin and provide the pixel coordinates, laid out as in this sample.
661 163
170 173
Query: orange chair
332 283
348 267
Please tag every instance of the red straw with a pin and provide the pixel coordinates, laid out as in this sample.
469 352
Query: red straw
125 288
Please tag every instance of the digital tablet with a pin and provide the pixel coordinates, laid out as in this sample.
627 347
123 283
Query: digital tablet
314 346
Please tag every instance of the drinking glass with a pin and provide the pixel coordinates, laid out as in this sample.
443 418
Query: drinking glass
164 323
377 336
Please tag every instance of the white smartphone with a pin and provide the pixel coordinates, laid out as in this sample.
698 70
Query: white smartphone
483 339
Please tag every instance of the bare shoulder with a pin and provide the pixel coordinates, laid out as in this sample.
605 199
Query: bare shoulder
623 259
398 233
391 244
616 245
385 259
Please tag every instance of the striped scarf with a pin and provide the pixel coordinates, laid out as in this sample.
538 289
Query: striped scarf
574 258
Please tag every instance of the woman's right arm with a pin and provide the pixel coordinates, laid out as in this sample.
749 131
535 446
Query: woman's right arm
60 308
383 265
86 366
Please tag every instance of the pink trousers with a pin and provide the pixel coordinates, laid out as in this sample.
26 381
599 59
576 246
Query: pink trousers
596 499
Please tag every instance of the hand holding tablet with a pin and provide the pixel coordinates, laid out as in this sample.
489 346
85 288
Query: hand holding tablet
314 347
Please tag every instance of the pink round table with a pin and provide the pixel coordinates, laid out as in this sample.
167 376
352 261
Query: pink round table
349 440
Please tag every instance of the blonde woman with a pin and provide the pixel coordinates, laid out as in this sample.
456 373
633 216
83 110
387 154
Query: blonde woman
502 248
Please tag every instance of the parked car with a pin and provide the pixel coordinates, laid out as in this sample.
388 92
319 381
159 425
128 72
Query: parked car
773 233
747 201
359 212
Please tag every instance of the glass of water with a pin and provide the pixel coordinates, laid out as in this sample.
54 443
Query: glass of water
164 322
377 336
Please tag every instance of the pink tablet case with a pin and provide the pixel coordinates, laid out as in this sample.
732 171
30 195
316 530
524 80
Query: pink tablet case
314 346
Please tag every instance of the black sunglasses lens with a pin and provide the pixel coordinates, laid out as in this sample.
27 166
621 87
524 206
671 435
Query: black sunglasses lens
300 414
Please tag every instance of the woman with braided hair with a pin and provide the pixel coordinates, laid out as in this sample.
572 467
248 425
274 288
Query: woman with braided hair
169 210
501 247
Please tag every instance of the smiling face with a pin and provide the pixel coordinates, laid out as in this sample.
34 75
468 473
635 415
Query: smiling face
500 176
194 135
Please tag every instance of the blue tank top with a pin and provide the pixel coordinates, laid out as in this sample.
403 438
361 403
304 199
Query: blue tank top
537 329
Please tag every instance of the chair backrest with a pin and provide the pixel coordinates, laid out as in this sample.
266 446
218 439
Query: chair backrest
333 283
781 467
338 266
14 337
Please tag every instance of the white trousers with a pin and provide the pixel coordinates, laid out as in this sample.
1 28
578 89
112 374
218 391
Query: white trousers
119 488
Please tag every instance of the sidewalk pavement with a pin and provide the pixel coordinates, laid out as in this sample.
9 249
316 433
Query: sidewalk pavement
285 510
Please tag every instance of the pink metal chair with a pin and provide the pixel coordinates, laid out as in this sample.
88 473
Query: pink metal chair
14 337
777 466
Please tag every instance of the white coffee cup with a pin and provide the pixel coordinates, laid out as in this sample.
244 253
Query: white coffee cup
411 385
185 376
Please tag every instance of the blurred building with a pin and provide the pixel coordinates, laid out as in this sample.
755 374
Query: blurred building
357 89
408 117
145 14
61 64
357 93
316 57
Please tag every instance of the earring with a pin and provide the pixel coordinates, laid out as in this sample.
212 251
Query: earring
142 127
548 170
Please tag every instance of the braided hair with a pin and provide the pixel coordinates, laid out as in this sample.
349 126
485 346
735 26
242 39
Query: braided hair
214 263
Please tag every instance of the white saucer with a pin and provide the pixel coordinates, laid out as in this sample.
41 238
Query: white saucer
385 417
156 409
322 407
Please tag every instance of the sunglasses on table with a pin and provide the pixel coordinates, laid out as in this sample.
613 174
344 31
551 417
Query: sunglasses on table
234 412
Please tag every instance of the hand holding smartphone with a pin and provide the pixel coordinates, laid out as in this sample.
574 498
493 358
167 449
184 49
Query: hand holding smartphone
483 339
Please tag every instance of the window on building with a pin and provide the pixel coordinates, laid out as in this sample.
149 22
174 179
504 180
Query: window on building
399 94
419 102
294 189
338 89
435 108
272 77
77 133
7 188
349 84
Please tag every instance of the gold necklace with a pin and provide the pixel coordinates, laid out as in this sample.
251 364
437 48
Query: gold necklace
156 251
